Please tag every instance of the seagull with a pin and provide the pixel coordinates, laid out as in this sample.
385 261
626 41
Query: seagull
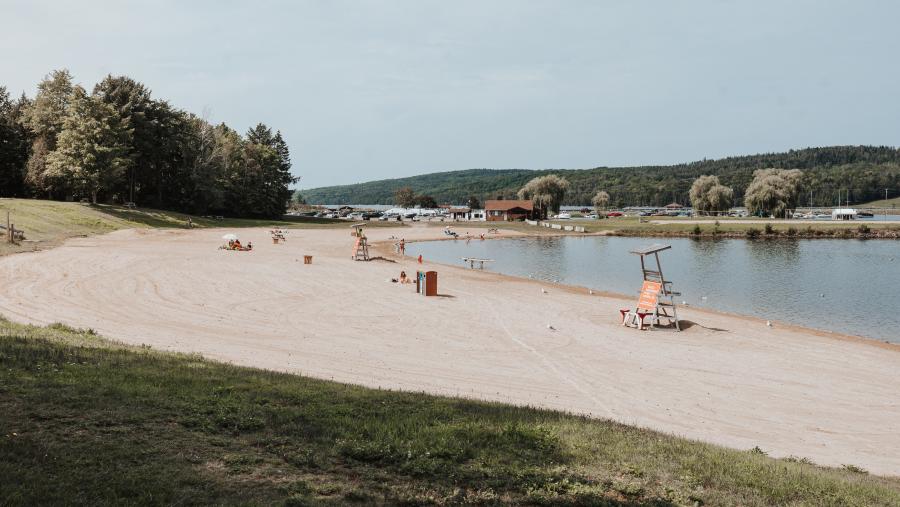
551 327
703 298
543 291
769 323
590 292
684 303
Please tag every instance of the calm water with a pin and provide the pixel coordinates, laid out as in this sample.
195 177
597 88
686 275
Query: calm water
848 286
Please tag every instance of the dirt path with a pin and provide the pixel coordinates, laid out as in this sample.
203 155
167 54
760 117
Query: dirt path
727 380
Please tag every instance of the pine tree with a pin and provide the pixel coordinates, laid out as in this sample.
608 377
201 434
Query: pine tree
13 146
44 118
92 149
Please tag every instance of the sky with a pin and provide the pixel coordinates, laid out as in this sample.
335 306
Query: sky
375 89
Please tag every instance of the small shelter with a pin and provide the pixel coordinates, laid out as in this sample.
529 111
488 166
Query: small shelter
507 211
459 213
656 298
844 214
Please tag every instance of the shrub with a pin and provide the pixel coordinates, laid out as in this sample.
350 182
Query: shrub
791 231
864 229
752 233
697 230
769 229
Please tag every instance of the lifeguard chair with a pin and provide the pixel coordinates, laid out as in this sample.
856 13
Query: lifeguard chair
361 246
657 297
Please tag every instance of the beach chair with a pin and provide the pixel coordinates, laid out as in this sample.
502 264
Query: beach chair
648 305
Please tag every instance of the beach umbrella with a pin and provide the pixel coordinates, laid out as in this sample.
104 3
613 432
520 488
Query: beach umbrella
230 237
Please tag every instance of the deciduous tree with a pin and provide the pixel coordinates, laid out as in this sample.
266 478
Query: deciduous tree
708 195
546 193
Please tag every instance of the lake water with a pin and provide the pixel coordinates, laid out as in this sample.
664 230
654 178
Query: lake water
847 286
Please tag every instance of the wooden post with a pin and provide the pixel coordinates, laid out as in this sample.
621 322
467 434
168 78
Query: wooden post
9 233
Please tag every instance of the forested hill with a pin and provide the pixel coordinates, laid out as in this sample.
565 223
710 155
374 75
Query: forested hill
864 171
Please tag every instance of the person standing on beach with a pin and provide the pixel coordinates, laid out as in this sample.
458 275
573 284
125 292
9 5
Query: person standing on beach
402 246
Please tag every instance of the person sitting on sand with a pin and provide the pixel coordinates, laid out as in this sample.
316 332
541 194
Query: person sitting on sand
404 278
249 246
237 244
231 244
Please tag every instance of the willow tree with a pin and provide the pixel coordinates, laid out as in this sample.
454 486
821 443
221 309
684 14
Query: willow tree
545 192
773 191
708 195
600 201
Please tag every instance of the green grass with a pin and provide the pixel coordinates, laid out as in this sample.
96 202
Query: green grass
48 223
893 202
86 421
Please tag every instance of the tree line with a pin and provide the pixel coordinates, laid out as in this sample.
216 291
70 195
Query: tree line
862 172
120 144
772 192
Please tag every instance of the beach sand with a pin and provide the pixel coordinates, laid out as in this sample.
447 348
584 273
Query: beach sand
726 379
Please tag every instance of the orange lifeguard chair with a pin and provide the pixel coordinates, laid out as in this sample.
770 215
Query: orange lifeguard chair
657 297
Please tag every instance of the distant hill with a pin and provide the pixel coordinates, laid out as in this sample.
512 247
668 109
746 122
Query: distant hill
866 171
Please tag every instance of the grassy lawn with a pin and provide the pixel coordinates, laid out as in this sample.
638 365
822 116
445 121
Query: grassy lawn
893 202
87 421
48 223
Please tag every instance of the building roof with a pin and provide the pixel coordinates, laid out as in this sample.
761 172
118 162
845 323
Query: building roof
459 210
507 205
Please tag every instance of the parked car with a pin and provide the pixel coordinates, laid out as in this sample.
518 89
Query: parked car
612 214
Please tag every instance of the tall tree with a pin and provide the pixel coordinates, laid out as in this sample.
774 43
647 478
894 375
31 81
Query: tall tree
473 203
44 117
546 193
134 105
14 138
92 149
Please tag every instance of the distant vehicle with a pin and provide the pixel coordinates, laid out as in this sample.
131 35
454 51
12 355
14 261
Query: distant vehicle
409 215
593 216
563 216
615 214
644 214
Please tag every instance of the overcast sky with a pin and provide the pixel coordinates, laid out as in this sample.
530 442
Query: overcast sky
368 90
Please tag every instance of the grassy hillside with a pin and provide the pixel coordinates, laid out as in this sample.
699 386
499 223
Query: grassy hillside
885 203
864 171
48 223
86 421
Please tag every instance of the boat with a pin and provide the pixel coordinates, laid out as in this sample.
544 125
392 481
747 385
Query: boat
865 214
563 216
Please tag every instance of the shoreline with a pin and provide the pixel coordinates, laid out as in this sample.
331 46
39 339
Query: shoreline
727 380
385 251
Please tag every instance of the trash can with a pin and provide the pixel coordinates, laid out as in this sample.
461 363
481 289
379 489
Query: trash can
431 283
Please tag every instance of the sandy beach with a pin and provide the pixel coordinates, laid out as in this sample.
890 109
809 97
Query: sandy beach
726 379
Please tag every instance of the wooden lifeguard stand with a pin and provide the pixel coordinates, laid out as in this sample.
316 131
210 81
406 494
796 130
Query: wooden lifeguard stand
662 306
361 246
